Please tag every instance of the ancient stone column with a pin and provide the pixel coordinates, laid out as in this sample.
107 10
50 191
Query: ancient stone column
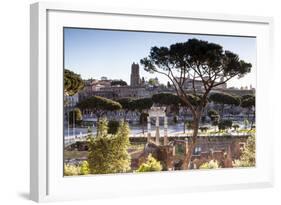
186 146
169 157
157 134
148 129
228 160
165 131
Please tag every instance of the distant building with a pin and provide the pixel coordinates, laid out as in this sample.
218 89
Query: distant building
139 88
236 91
135 75
127 91
197 84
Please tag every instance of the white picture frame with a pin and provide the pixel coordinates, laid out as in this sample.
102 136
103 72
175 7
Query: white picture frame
46 157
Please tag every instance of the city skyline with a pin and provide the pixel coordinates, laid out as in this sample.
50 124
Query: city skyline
96 53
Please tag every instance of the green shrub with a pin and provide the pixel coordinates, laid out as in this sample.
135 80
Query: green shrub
150 165
188 124
213 115
75 115
84 170
235 126
213 164
246 123
240 163
71 170
175 119
74 170
225 124
108 153
113 126
248 156
203 129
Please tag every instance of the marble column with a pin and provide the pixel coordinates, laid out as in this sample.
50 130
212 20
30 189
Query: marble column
186 146
157 135
165 131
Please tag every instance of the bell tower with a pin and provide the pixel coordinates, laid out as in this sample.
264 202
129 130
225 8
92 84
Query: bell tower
135 74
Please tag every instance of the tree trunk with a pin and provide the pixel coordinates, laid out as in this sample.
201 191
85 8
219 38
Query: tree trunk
125 116
192 143
97 125
253 118
222 111
248 117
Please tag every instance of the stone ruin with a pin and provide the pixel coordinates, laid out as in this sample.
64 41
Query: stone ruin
229 150
224 150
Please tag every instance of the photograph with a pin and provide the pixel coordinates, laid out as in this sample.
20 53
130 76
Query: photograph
149 101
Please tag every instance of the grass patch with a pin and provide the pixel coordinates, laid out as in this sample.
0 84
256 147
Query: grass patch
134 148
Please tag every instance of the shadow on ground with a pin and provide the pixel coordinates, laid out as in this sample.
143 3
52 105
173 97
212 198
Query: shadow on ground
24 195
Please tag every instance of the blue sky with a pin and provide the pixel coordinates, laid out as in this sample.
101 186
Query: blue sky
96 53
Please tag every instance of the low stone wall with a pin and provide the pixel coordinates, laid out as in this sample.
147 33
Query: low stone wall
200 138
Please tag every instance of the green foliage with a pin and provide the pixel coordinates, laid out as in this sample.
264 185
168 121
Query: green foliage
248 157
186 55
102 126
118 82
72 83
225 98
113 126
126 103
203 129
99 105
108 153
213 164
150 165
235 126
175 119
246 123
214 116
71 170
143 118
201 59
166 99
203 119
84 170
225 124
75 114
189 124
248 101
153 81
194 99
142 104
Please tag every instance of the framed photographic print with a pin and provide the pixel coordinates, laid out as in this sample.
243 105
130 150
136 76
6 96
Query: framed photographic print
127 102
